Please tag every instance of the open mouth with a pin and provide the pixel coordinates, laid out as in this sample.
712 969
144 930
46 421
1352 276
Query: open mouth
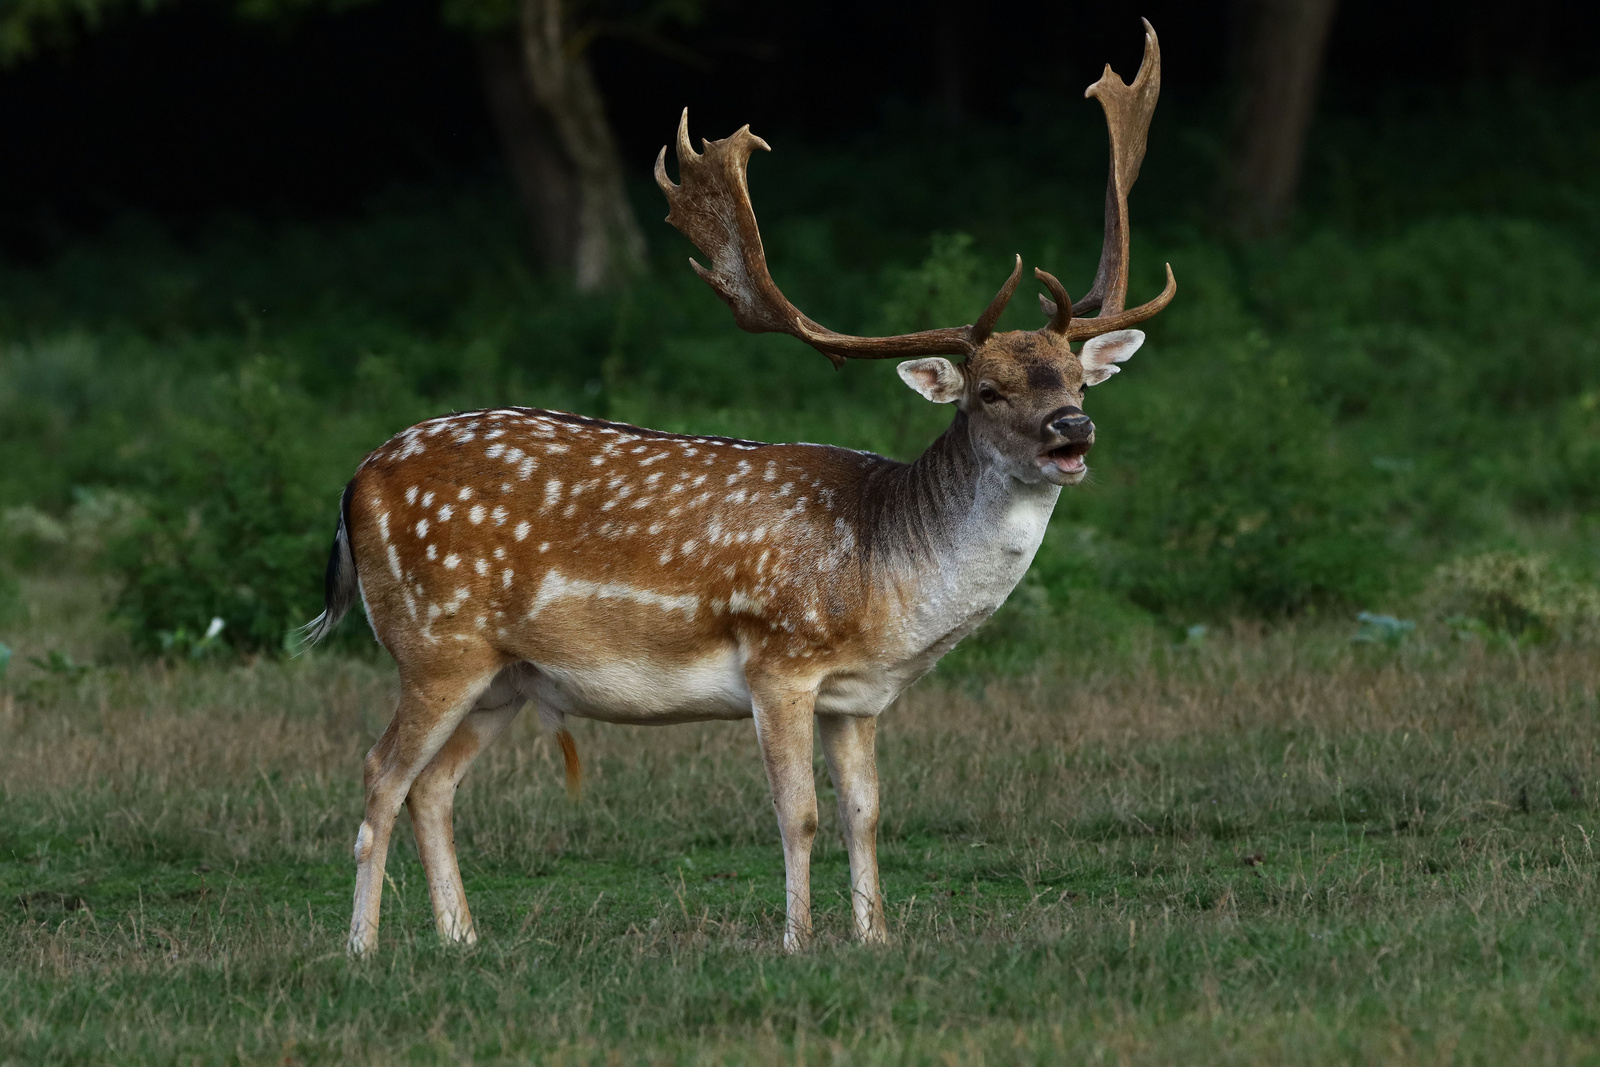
1068 458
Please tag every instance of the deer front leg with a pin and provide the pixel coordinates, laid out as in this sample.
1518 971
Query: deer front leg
848 743
783 729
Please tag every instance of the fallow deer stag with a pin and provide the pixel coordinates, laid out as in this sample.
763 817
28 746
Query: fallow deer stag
610 572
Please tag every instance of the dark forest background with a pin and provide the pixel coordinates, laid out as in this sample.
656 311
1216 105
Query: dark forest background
192 111
237 251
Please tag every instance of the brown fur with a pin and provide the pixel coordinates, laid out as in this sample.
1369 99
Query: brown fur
569 757
730 523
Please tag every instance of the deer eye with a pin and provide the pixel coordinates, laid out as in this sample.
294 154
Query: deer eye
988 395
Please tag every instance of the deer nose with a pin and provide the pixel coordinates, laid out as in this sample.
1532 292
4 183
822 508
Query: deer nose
1069 422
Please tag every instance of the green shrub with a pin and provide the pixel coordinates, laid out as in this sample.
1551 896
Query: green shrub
1526 597
33 538
240 507
12 607
1231 493
1558 471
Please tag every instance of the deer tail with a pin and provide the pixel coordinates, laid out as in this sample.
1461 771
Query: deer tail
340 587
569 755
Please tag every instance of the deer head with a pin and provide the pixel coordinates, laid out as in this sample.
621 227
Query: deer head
1022 390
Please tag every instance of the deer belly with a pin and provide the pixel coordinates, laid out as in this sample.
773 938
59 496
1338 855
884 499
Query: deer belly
647 690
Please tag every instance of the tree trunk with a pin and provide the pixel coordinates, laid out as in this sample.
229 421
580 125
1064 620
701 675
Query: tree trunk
1280 69
545 181
609 246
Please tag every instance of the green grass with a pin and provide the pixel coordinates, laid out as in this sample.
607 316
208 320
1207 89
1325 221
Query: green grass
1275 847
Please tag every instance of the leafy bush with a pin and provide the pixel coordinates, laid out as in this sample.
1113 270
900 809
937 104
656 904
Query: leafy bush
240 508
11 605
32 537
1559 471
1232 494
1526 597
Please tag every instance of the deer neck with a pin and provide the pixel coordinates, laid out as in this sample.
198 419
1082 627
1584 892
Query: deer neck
956 533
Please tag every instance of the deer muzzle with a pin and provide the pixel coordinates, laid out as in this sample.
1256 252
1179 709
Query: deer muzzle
1068 434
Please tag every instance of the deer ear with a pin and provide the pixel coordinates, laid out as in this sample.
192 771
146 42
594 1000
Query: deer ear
1101 355
936 379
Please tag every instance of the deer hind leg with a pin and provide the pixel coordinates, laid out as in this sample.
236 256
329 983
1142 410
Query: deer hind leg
430 709
783 728
849 743
432 804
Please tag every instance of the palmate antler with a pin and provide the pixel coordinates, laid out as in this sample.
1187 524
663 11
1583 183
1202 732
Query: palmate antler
1128 110
712 208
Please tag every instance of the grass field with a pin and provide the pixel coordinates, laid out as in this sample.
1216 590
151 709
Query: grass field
1272 847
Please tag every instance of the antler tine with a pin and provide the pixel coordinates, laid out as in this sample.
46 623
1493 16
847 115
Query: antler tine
686 147
1083 329
1128 110
712 208
981 329
1059 310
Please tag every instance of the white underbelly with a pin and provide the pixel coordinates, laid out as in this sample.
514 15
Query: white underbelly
646 691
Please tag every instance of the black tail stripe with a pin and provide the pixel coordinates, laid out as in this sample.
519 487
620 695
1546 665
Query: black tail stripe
331 579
